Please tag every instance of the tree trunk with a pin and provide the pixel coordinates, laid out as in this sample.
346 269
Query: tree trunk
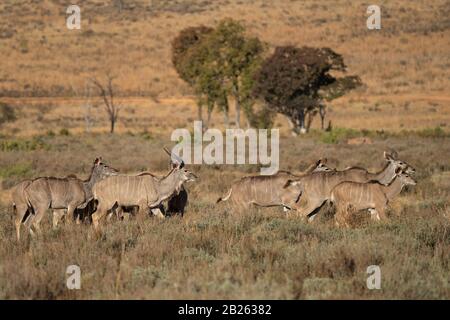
310 117
200 109
292 126
113 123
226 119
299 122
322 112
237 104
302 123
209 113
225 109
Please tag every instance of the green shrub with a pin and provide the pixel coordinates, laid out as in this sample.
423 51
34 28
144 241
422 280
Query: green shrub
23 145
50 133
339 134
436 132
16 170
146 135
64 132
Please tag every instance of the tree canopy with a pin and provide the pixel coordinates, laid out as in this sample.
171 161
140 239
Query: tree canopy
218 63
293 81
185 40
224 64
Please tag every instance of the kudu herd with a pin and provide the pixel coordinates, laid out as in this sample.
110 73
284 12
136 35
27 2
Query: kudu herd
106 191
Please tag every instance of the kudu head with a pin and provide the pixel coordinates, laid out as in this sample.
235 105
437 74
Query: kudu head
178 170
395 163
100 170
404 178
321 166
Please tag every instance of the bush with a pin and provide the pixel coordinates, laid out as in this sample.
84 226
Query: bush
50 133
15 170
64 132
339 134
7 113
23 145
436 132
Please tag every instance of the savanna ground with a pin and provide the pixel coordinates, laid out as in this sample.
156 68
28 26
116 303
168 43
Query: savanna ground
215 253
212 252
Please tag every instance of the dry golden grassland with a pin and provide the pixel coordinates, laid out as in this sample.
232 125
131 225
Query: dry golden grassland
213 252
144 115
40 56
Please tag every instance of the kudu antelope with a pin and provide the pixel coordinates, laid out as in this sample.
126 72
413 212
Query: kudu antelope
268 191
178 202
385 175
175 204
316 187
134 210
58 194
372 196
20 205
145 191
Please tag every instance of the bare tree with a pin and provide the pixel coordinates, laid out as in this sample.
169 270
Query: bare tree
107 93
87 105
88 120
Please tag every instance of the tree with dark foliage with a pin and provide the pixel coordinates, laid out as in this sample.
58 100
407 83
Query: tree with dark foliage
294 81
218 63
182 61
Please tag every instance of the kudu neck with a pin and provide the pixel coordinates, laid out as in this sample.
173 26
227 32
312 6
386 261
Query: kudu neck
394 188
95 177
169 185
386 175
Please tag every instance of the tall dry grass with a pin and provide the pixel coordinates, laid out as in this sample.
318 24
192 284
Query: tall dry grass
213 252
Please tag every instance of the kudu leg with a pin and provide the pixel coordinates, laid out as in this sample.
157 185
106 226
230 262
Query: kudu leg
21 211
307 207
157 212
57 215
98 215
342 215
39 214
28 223
381 214
70 213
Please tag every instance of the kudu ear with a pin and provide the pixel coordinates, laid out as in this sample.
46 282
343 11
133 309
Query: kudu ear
398 171
290 183
97 161
388 156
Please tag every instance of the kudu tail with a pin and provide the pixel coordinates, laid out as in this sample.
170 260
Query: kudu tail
226 197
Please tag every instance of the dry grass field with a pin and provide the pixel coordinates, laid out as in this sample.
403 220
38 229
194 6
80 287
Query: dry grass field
41 57
213 252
